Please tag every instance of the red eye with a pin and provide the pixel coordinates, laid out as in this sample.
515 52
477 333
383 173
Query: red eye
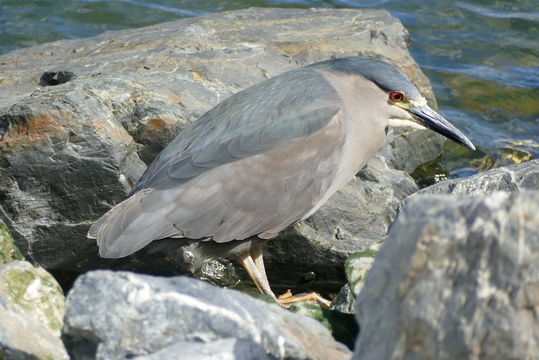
396 96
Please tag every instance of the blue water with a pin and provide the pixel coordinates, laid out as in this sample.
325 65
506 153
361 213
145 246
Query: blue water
482 57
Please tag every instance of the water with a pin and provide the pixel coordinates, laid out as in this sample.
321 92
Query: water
482 58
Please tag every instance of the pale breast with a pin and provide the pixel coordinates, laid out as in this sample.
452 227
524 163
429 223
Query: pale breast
363 135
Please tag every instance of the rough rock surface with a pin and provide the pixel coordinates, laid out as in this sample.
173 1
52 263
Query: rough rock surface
223 349
356 268
114 315
457 278
32 310
8 250
524 176
82 118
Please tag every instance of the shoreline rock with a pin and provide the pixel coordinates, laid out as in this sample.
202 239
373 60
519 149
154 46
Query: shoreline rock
32 308
455 278
112 315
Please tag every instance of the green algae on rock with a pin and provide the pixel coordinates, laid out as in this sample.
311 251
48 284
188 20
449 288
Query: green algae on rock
358 265
8 250
32 307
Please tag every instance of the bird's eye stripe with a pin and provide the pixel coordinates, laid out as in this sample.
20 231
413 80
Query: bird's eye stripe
396 96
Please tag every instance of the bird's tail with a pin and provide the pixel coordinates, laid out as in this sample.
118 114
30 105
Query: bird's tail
94 229
129 227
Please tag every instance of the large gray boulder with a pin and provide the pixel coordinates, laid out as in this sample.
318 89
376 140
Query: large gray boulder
115 315
32 311
520 177
457 278
81 119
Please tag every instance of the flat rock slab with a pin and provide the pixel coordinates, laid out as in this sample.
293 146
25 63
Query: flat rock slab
457 278
114 315
81 119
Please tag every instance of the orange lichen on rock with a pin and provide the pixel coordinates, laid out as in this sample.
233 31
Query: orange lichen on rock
36 128
156 124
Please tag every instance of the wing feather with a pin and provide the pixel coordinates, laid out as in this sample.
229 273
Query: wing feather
248 123
243 169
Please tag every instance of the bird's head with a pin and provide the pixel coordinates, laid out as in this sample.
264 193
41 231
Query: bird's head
412 108
402 102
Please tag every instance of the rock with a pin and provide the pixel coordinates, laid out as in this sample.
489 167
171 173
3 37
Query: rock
80 120
356 268
32 308
8 251
524 176
224 349
344 301
457 278
114 315
343 326
358 265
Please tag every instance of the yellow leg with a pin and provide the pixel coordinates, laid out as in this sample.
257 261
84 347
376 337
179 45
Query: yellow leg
287 299
255 268
253 262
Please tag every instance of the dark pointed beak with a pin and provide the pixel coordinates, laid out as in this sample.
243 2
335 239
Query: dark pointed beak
434 121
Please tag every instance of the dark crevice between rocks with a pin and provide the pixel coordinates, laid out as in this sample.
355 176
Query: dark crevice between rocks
344 327
56 77
83 347
65 278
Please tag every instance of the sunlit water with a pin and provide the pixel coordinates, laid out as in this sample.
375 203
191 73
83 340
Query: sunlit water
482 58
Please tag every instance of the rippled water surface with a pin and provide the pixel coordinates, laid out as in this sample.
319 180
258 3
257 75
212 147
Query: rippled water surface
482 57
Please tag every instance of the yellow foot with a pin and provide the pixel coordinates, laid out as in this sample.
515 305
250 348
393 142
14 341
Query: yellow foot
287 299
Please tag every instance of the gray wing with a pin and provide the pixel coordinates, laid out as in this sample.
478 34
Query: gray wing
248 123
258 195
231 177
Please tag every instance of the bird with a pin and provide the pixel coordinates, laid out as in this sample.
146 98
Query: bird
264 159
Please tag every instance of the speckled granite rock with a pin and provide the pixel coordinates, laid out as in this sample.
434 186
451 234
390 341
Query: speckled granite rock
457 278
82 118
114 315
32 310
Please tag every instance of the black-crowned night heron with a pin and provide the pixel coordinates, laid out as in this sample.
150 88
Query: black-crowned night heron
264 159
